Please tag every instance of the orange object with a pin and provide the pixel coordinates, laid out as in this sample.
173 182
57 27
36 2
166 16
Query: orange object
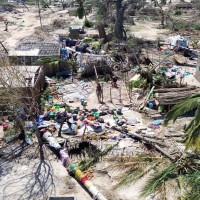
91 118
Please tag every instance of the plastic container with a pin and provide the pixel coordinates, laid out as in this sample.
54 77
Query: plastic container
150 105
52 115
91 118
93 190
74 117
79 174
87 183
72 167
96 115
84 179
50 99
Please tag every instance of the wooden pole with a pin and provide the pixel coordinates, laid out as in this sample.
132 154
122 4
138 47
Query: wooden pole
120 95
110 95
96 73
102 92
4 47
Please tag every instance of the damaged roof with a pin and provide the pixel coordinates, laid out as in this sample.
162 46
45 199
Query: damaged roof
19 76
37 45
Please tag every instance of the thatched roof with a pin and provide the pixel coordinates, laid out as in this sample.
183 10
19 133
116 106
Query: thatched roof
37 45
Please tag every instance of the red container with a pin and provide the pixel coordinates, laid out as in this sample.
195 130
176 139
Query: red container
84 179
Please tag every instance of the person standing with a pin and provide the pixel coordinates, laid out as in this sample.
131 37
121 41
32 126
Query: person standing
99 92
114 82
6 25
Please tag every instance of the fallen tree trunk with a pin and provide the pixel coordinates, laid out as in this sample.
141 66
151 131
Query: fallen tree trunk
148 141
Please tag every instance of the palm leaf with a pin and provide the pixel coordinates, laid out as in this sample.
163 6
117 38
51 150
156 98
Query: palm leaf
193 132
85 164
142 165
193 183
182 108
129 177
153 185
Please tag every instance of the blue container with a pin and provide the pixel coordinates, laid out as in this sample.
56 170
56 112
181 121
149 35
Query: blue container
150 105
74 117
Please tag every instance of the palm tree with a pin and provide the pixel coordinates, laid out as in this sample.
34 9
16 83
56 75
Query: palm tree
184 171
192 130
181 171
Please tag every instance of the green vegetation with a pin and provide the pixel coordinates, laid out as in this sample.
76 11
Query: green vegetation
139 83
44 97
85 164
192 134
30 2
177 12
88 23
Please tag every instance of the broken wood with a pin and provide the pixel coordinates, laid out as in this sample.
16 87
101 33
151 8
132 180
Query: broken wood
165 90
146 140
174 135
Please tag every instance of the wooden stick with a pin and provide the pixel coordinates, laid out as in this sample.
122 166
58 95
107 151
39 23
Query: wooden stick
4 47
120 95
110 95
96 72
102 92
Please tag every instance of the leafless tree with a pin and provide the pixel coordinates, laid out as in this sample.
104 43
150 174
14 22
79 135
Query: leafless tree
18 92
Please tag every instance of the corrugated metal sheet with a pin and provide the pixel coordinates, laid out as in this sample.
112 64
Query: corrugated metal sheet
33 52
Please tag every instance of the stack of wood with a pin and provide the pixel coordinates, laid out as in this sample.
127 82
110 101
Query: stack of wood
171 96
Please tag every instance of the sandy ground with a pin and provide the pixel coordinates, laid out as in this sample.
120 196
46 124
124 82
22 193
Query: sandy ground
148 30
25 177
26 22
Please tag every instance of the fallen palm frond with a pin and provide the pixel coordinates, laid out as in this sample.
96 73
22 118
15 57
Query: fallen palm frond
135 173
193 129
193 183
136 167
85 164
155 183
141 160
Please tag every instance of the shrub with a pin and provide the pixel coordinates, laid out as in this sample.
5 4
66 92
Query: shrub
139 83
88 23
58 23
178 12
